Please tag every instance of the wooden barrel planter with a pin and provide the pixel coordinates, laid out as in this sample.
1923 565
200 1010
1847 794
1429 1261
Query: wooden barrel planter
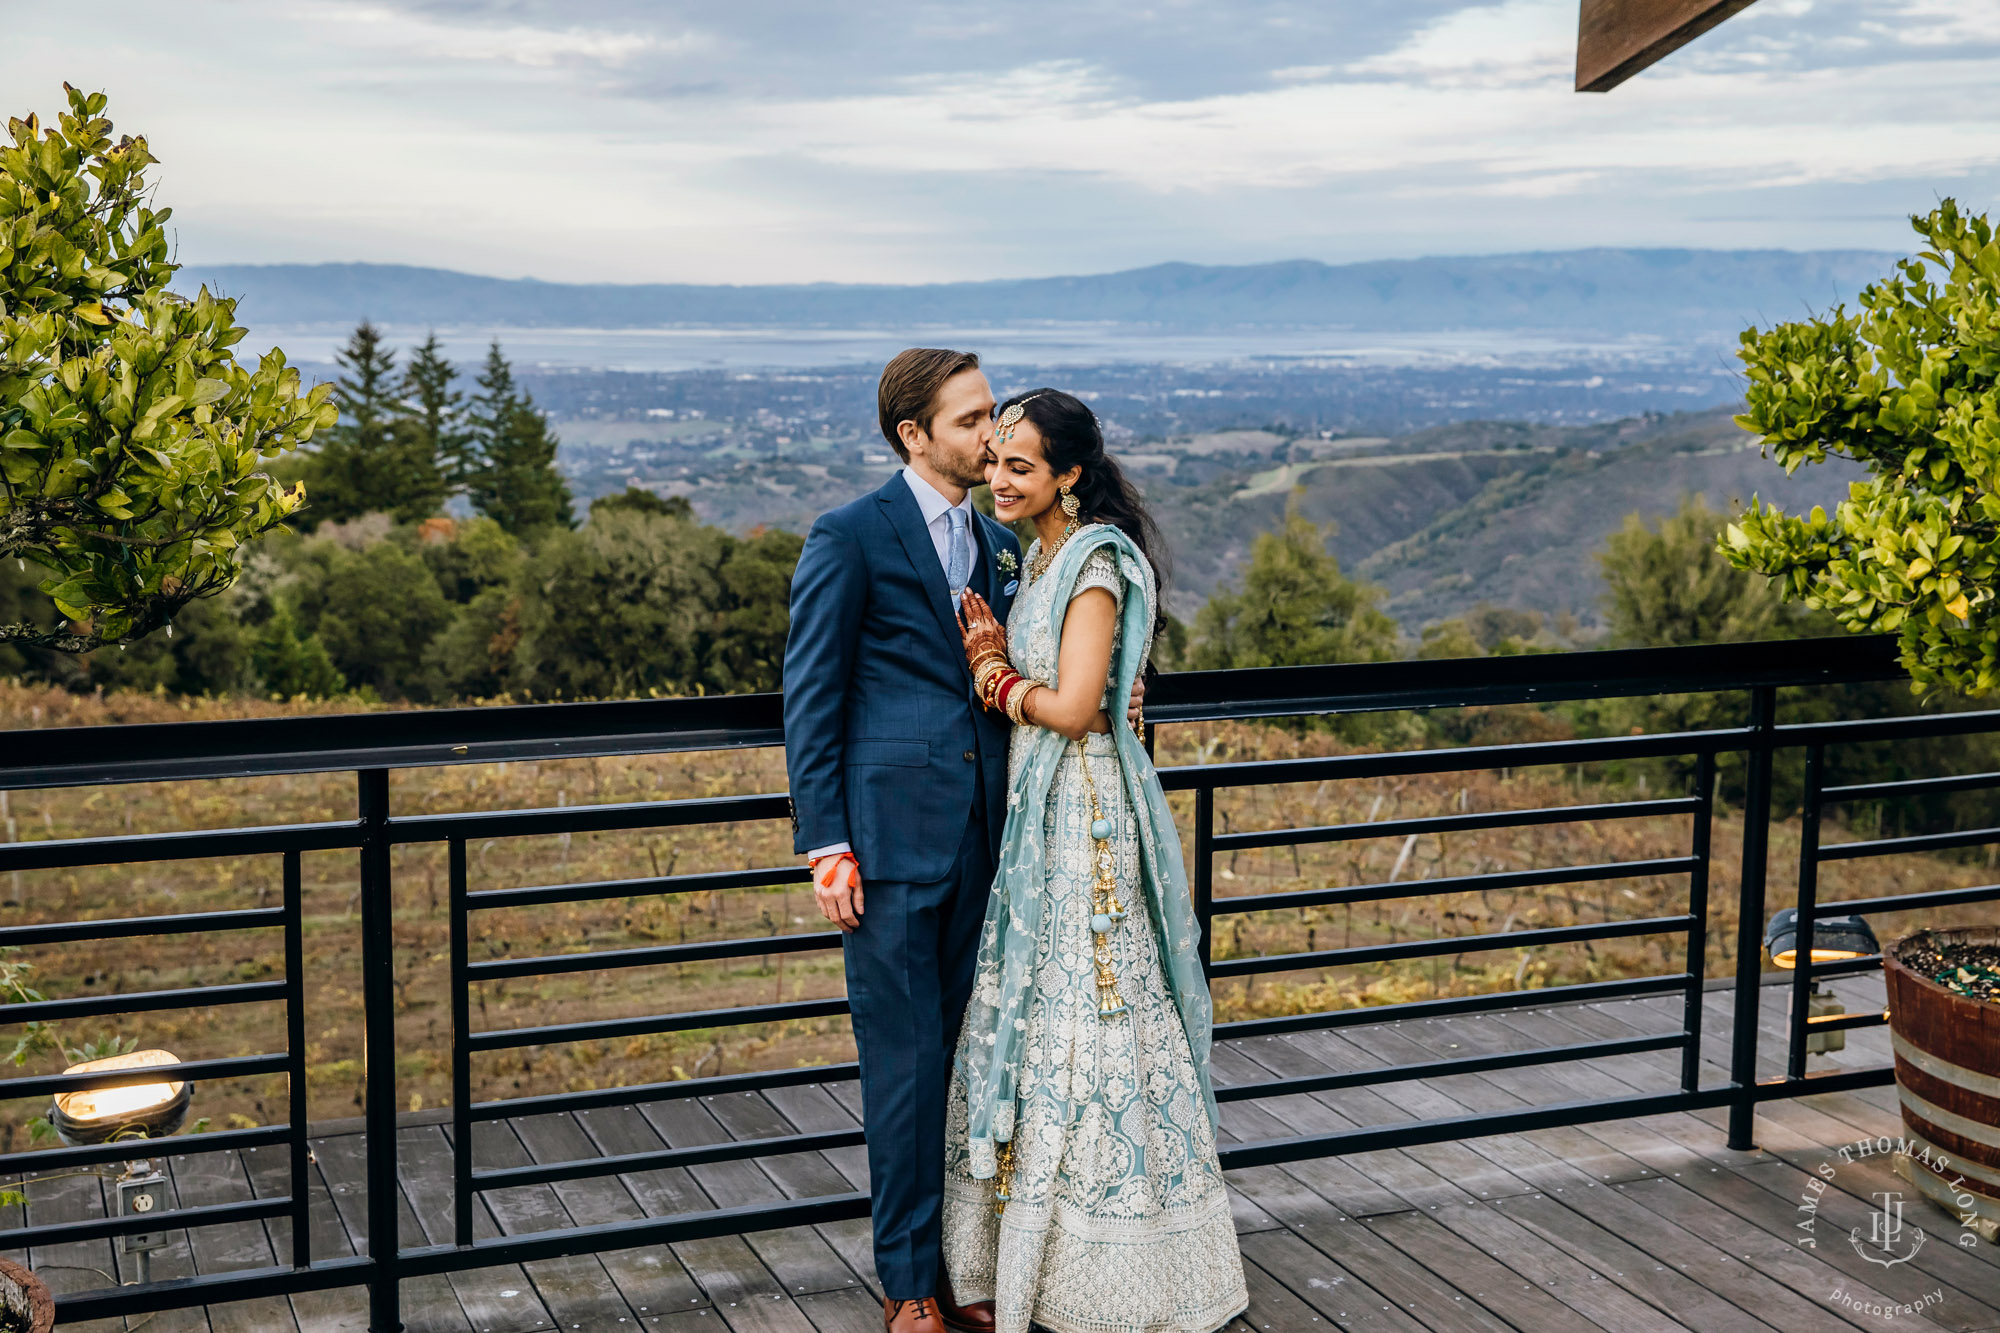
25 1303
1948 1077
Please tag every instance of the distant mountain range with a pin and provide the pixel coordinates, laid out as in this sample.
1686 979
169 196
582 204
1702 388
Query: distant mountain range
1613 291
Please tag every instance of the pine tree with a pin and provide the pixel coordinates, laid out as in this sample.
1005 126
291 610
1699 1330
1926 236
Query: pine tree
437 415
344 478
373 460
515 482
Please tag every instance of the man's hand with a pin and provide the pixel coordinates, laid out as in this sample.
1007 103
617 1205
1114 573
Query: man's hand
837 889
1134 711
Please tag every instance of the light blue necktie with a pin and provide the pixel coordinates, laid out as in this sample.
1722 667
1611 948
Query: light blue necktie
958 564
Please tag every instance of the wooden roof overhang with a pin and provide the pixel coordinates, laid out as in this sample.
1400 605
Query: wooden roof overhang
1615 39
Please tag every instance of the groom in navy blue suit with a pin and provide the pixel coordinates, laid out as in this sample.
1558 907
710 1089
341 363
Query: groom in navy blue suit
899 778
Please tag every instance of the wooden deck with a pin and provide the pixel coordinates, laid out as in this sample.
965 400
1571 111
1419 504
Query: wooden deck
1627 1225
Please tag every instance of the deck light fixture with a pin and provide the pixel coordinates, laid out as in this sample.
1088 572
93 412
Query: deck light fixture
149 1110
132 1112
1834 939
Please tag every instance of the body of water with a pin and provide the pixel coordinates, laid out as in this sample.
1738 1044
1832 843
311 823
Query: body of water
779 348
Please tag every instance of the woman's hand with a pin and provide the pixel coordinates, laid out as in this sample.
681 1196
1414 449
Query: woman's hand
980 628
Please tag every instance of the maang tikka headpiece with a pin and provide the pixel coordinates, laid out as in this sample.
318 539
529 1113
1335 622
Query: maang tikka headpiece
1003 430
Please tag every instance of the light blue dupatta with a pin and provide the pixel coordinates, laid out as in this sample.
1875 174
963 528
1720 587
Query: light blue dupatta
996 1018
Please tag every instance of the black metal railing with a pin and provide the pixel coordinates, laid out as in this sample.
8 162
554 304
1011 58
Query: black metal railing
371 745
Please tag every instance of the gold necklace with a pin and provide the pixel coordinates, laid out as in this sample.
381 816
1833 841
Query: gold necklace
1040 565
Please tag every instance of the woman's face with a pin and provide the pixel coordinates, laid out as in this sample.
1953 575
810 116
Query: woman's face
1023 486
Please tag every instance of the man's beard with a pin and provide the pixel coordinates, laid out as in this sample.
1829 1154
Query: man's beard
969 473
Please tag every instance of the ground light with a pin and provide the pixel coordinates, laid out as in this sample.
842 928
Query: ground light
1834 939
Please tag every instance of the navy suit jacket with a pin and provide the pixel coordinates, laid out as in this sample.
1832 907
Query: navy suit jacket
886 745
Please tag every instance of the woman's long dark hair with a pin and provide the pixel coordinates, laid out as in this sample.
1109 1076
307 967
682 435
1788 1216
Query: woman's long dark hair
1071 438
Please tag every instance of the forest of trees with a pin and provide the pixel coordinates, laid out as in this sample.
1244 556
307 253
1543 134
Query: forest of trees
377 592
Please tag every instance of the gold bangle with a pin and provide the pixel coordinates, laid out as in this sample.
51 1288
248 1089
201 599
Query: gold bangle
1017 706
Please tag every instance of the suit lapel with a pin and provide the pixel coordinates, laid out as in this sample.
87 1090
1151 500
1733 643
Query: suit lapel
908 521
992 537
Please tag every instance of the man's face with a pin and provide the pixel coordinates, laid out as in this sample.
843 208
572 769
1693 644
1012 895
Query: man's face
957 446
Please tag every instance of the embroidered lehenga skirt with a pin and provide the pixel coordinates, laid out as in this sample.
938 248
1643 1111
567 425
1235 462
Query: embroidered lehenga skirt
1118 1221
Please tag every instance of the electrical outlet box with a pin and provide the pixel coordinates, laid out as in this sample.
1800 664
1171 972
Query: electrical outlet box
1825 1004
141 1196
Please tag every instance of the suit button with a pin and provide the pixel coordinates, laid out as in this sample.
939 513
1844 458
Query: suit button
969 756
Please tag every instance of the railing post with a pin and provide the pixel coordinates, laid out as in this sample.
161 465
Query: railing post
295 1065
461 1054
1750 919
1697 940
1808 902
378 1008
1204 872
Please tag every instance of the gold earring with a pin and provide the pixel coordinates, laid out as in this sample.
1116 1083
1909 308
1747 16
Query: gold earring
1071 506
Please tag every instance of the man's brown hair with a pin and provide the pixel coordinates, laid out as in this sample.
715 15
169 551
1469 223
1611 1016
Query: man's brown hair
909 389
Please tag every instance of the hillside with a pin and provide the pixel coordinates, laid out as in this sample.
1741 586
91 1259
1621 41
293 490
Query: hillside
1650 292
1507 513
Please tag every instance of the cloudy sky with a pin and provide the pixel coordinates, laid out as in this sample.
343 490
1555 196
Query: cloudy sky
911 140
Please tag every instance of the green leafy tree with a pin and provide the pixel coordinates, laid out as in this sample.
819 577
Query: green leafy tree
1667 584
477 555
1295 608
290 664
375 609
378 458
515 481
1449 638
625 605
755 612
131 441
1909 386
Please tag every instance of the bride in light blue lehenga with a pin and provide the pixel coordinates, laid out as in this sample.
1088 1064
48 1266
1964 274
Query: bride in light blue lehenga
1082 1190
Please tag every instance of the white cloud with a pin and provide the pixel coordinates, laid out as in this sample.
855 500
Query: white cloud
410 38
615 146
1512 43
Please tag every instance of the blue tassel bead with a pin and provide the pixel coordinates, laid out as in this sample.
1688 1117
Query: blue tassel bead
1100 829
1101 923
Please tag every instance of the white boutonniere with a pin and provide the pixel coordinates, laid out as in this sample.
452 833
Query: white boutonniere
1006 561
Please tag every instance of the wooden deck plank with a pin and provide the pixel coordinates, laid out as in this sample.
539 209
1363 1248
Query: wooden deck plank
429 1303
1477 1274
500 1298
341 1309
1571 1281
797 1256
1776 1218
90 1265
650 1277
733 1277
1472 1174
1842 1213
1434 1301
1570 1229
204 1179
577 1288
1277 1265
851 1311
812 1110
1754 1242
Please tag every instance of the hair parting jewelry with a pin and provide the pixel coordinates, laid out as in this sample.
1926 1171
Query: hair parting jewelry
1003 429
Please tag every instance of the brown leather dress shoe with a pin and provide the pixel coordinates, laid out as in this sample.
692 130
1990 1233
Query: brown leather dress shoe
974 1318
917 1316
